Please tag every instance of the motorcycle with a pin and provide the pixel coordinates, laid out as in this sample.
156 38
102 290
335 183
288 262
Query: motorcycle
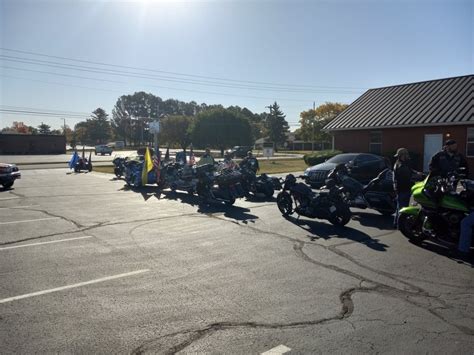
254 184
133 172
439 210
300 198
220 187
378 194
178 176
119 166
83 164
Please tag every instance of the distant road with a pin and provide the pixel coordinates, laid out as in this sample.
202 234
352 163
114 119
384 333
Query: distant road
61 160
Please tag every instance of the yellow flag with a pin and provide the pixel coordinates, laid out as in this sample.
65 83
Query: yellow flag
147 167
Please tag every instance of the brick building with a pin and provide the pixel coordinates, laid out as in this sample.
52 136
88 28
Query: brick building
417 116
32 144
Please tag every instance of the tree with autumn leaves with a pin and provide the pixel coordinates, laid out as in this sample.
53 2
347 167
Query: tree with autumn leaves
312 121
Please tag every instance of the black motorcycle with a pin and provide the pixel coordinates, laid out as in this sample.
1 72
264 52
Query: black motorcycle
221 187
83 164
253 184
178 176
300 198
378 194
119 166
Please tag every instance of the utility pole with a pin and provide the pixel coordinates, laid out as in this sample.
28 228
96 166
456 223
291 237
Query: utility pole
314 118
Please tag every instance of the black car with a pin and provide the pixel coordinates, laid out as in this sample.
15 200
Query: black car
362 167
8 174
239 151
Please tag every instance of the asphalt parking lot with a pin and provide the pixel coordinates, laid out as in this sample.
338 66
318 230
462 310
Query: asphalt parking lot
90 266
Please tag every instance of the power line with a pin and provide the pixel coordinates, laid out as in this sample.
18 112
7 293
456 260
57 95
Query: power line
38 113
160 78
147 85
45 110
176 73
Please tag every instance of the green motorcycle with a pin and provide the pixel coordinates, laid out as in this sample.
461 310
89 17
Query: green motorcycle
438 211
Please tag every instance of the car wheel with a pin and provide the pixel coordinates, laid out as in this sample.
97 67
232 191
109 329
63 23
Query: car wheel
7 185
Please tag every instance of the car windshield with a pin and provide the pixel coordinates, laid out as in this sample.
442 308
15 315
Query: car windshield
342 158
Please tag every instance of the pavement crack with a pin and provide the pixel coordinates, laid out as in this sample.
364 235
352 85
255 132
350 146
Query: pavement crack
194 335
77 224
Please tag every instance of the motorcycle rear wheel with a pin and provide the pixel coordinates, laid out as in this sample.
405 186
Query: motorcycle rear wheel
410 226
341 216
285 204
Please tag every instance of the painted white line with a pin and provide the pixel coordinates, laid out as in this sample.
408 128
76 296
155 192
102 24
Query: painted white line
80 284
30 220
19 207
50 242
278 350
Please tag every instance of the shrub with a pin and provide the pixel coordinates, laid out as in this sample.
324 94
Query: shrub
319 157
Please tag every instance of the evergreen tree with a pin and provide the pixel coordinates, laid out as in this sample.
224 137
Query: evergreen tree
276 126
43 128
98 127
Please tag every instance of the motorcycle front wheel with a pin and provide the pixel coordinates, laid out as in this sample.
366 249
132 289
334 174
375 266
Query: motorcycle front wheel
285 204
411 227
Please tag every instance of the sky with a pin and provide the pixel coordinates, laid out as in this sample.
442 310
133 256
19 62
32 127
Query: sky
67 58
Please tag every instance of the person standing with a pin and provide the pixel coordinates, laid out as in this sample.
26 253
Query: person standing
448 160
206 158
250 162
402 181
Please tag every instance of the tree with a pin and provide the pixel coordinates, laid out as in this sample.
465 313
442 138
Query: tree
175 130
81 132
256 120
312 121
221 128
43 128
98 126
275 125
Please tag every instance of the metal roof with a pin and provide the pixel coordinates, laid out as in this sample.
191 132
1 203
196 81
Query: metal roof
429 103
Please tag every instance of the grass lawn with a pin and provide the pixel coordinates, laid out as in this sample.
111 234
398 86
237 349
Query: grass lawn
266 166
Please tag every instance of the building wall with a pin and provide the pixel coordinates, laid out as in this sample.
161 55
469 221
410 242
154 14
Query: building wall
410 138
32 144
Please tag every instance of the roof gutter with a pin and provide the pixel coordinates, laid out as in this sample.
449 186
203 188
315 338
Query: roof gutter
328 130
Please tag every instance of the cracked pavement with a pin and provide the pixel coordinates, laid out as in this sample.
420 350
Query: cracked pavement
218 279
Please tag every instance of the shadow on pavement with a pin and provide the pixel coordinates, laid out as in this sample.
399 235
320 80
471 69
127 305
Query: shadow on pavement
446 252
231 212
373 220
323 230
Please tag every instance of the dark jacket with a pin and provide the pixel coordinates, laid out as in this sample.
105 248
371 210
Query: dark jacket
250 163
442 163
402 177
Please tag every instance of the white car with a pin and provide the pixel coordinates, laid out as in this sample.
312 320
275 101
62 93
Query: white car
103 149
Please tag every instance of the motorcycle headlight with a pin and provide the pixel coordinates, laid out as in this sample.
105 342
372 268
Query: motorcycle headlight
306 172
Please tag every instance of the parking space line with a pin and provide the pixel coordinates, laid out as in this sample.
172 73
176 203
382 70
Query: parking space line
67 287
30 220
12 207
278 350
42 243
